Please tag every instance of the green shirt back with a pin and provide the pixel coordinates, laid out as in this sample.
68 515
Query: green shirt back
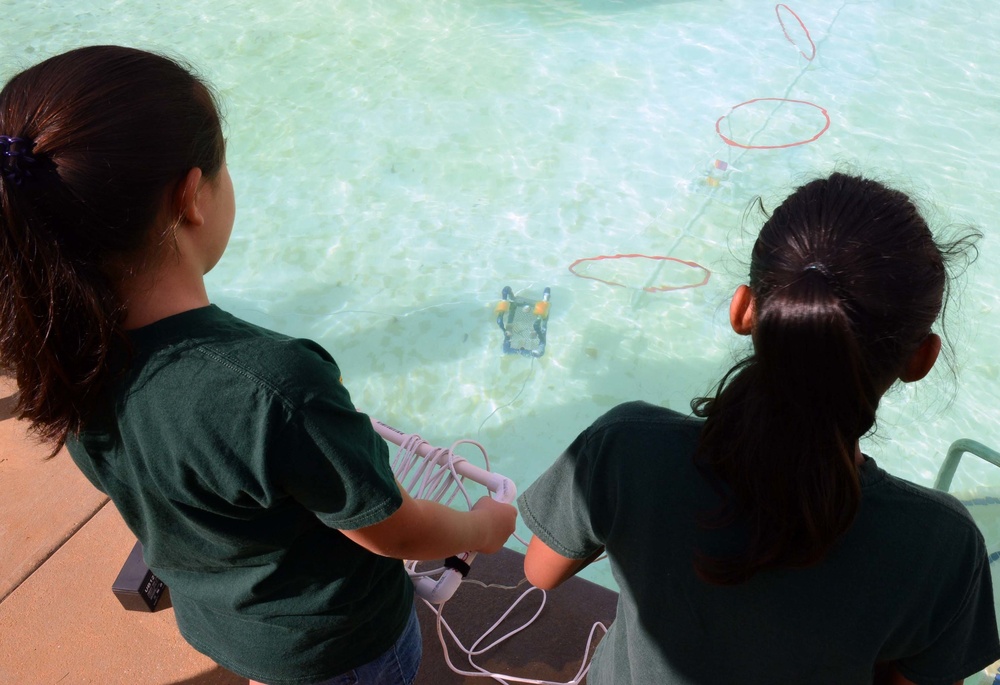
908 583
235 454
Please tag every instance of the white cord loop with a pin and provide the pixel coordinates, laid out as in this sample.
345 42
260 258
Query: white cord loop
437 474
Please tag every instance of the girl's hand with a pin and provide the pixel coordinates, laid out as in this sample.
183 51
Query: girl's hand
422 529
496 520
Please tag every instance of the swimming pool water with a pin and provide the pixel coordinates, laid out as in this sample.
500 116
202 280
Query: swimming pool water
398 163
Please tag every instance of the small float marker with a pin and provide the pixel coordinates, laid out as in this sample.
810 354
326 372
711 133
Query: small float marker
724 166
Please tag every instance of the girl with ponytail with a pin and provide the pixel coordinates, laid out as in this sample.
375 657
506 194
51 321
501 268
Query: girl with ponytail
261 496
753 542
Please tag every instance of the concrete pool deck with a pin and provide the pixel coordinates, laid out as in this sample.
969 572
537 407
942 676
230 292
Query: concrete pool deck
63 544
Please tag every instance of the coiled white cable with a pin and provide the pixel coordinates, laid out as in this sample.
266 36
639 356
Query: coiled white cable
474 650
432 473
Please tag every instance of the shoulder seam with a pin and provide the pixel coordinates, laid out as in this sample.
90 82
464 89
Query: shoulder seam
961 516
246 373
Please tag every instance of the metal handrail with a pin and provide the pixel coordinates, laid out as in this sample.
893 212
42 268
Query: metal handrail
955 453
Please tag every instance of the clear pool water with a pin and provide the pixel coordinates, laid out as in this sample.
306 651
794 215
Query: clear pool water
398 163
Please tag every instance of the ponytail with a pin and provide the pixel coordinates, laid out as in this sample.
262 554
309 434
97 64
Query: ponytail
782 432
846 281
61 321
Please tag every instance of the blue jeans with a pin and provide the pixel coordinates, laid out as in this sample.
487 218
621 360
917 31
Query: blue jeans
396 666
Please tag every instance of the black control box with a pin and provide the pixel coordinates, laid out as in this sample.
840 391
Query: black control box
136 587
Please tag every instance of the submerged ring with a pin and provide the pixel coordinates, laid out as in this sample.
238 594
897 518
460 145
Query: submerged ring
730 141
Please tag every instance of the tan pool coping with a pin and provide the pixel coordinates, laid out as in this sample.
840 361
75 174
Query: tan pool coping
63 543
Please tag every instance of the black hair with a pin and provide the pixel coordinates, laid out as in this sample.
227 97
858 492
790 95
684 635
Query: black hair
847 280
106 133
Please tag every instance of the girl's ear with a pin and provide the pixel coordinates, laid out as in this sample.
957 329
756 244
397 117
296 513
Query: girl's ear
741 310
922 360
186 198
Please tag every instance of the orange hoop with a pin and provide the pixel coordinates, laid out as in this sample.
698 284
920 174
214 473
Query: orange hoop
784 30
648 289
730 141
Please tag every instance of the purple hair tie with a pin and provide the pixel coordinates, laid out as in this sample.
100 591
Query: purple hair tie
16 158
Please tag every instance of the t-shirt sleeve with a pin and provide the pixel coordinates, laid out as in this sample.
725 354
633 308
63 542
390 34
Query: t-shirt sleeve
558 506
335 464
967 644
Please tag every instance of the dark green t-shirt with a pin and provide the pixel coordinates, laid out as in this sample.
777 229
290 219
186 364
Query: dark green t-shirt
909 582
235 454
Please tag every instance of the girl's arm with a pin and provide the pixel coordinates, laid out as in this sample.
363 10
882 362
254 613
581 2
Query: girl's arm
422 529
546 569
